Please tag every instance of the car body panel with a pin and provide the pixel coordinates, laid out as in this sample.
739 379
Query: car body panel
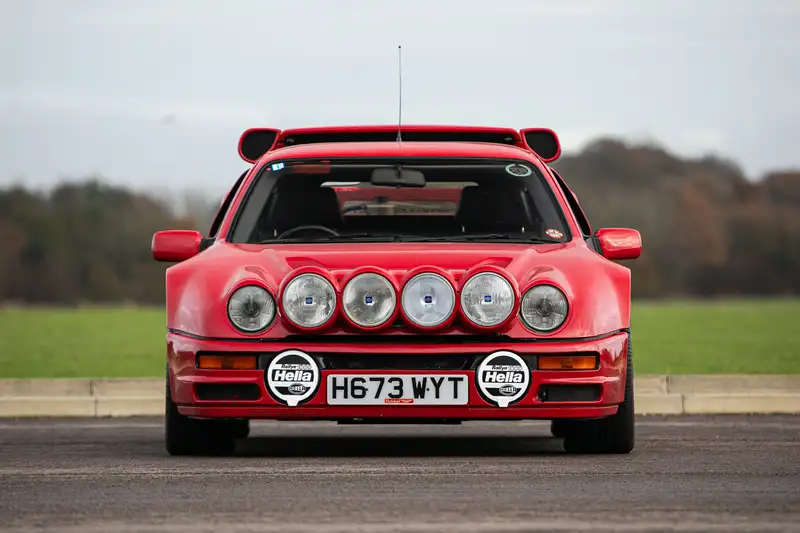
598 290
610 375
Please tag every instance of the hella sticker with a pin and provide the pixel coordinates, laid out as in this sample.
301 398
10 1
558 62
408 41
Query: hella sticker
503 378
292 377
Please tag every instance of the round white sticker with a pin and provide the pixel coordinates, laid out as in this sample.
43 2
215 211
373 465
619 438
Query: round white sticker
515 169
292 377
503 378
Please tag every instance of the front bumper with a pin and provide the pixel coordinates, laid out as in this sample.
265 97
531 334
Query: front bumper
185 378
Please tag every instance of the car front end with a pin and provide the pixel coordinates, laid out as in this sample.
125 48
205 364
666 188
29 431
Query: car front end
388 282
328 355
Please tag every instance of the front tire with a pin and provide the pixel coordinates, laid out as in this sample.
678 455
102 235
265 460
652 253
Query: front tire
611 435
559 428
240 428
188 436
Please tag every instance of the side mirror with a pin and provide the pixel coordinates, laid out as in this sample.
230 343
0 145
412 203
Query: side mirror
176 245
619 243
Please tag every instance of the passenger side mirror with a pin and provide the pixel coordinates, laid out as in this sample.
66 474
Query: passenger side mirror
174 246
619 243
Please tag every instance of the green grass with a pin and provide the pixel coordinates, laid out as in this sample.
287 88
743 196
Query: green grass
91 342
717 337
681 337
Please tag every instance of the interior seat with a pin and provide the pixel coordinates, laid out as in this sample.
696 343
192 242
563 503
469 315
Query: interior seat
303 205
492 209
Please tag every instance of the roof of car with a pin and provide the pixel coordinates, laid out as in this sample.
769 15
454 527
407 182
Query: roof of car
402 149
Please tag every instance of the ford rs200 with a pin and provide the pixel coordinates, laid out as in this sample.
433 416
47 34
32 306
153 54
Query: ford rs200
363 274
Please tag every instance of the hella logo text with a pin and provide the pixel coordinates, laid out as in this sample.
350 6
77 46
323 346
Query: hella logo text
292 375
503 377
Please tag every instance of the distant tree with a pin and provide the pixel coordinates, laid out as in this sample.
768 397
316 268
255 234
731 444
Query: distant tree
706 229
82 241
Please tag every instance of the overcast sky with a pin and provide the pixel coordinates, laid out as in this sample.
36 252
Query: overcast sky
155 93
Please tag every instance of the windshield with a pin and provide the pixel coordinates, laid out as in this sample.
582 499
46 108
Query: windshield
402 200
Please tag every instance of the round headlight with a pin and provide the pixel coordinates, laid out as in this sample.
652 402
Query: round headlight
251 308
487 299
428 299
309 300
544 308
369 300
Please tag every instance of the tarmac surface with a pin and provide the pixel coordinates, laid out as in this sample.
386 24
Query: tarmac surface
723 473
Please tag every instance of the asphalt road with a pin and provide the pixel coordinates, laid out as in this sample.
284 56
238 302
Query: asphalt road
687 474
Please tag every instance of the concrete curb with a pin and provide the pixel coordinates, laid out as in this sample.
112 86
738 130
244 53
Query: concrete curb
655 395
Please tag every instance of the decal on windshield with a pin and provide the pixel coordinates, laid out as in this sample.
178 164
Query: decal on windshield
554 233
515 169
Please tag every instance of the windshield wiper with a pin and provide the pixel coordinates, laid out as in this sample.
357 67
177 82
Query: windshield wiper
404 237
485 237
346 237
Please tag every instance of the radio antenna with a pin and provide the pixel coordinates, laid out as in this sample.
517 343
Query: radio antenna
399 92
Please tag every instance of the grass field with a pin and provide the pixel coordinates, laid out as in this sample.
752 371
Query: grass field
682 337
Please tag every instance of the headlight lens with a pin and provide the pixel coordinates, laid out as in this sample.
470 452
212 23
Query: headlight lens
309 300
428 299
251 308
544 308
369 300
487 299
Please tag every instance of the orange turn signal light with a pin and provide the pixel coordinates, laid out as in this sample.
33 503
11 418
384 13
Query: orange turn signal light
227 362
567 362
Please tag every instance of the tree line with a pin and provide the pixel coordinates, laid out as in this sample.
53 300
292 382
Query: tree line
707 230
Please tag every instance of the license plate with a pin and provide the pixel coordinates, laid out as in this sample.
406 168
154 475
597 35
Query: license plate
397 389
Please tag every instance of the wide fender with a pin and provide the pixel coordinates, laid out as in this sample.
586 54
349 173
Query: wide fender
197 298
598 291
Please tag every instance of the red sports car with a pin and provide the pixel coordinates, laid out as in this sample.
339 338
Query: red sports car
442 275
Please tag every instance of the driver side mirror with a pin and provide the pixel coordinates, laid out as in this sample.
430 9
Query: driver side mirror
619 243
174 246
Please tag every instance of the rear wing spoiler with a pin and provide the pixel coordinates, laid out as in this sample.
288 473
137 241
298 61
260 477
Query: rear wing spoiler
256 142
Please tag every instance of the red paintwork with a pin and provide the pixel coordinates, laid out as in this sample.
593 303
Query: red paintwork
552 134
517 136
598 291
254 130
620 243
175 245
610 376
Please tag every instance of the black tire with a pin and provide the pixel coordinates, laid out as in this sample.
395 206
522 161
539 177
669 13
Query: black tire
189 436
240 428
559 428
612 435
